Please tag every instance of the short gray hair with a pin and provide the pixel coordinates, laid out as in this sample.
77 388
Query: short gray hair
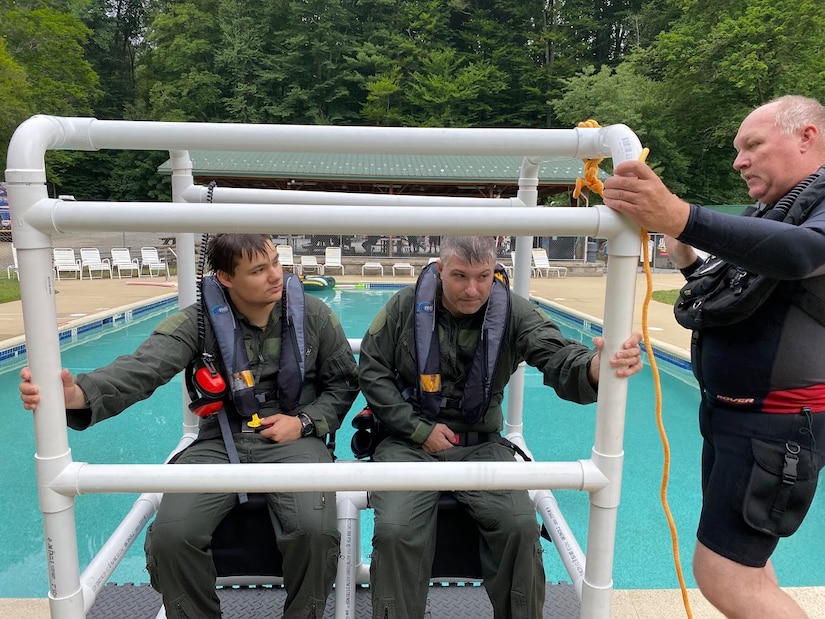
472 249
795 111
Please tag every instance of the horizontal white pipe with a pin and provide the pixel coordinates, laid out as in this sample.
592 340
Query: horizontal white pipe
198 193
82 478
55 216
41 132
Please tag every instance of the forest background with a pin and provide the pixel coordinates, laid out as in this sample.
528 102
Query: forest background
681 73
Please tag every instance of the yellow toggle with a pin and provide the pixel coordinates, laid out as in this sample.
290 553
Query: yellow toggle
430 383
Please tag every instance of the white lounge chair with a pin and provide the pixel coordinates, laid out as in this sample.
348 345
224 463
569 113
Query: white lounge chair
372 266
542 266
12 268
65 261
511 268
332 259
311 263
287 260
122 260
91 261
150 260
403 266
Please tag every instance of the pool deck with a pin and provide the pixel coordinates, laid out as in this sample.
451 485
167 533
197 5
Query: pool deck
78 300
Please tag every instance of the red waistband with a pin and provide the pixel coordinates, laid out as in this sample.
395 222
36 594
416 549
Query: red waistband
793 400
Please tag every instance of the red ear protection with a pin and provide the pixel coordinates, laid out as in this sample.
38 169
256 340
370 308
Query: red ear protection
205 385
209 381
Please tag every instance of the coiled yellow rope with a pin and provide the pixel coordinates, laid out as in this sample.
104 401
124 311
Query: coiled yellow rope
591 180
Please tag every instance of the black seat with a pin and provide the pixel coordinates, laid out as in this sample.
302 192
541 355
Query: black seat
244 542
456 542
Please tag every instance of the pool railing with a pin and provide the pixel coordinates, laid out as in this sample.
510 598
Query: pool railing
37 219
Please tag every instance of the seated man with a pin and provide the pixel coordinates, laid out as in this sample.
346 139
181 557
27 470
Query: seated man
452 412
298 408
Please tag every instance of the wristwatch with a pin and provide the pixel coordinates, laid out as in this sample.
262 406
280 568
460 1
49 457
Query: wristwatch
307 425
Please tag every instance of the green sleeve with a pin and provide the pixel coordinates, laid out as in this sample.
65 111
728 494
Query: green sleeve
132 378
336 374
563 362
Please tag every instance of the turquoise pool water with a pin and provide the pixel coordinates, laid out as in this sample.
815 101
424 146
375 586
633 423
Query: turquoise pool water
555 430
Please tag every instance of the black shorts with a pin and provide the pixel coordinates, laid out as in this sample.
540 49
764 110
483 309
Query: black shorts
748 462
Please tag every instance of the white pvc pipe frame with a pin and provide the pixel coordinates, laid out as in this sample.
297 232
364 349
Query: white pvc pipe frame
36 218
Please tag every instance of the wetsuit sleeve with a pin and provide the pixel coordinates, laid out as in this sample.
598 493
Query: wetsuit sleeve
336 381
563 362
132 378
773 248
380 348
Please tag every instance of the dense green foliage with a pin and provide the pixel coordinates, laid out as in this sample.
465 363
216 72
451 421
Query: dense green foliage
680 73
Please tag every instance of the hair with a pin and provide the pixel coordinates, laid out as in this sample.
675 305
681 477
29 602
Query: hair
225 251
473 249
795 112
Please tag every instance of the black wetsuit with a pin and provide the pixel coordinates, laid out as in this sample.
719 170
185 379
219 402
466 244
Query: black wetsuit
772 361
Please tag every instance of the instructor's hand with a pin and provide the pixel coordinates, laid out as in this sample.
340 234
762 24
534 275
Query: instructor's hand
635 190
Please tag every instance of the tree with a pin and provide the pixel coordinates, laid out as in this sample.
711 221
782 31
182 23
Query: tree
623 95
448 92
117 28
49 45
176 75
15 102
719 61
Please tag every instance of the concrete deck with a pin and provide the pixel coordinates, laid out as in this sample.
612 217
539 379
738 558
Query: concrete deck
77 300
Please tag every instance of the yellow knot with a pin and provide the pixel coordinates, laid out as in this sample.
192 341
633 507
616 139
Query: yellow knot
591 169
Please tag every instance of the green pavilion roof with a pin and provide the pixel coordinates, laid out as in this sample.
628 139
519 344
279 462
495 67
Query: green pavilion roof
409 168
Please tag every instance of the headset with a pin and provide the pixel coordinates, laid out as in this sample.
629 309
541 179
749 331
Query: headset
205 385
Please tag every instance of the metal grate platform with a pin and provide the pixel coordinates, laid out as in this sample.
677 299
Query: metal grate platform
443 602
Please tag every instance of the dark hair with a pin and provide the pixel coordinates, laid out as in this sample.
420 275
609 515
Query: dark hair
472 249
225 251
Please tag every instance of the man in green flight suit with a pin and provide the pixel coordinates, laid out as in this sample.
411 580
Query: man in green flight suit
443 404
250 284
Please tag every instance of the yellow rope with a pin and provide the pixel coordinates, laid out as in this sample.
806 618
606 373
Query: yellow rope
674 537
591 171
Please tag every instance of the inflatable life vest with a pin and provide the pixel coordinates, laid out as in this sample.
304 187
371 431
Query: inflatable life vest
479 385
208 390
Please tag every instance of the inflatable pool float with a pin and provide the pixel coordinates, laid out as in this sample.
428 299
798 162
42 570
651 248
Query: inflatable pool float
318 282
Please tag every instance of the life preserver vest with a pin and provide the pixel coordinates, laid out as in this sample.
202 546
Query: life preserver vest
479 385
240 385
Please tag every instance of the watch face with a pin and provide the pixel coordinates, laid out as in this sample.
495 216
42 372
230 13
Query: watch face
306 426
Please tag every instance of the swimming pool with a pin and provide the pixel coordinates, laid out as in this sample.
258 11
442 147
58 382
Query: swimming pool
555 430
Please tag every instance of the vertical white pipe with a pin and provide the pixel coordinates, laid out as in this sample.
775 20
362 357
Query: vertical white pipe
527 194
25 188
182 180
608 452
349 526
